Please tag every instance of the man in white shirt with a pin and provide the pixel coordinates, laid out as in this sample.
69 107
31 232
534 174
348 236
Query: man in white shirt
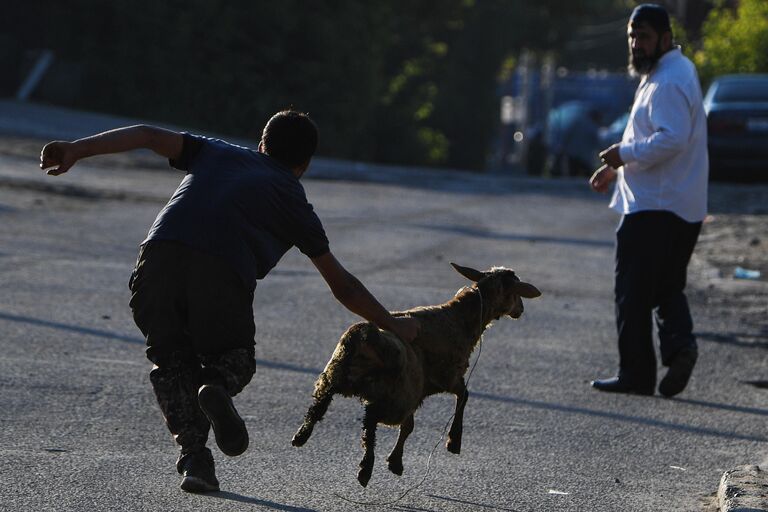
661 171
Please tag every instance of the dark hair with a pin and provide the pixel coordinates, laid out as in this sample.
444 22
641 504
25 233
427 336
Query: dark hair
290 137
654 15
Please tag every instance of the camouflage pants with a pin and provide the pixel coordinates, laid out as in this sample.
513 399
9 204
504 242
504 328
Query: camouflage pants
177 379
197 318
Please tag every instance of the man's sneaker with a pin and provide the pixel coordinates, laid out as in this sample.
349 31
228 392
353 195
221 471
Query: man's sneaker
679 372
197 472
228 426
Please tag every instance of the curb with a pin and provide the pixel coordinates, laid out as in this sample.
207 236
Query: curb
743 489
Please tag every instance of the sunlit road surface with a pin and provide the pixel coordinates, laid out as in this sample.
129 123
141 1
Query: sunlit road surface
80 430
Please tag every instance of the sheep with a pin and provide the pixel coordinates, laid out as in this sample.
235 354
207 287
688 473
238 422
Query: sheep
392 378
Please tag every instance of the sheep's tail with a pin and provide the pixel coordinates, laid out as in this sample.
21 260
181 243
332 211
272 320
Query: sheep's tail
334 379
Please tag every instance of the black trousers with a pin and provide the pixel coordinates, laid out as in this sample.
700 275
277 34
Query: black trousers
197 317
653 249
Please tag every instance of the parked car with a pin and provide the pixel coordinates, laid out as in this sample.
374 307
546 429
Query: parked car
737 123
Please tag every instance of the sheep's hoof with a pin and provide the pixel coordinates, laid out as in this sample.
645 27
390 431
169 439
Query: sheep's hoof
301 436
454 446
364 475
395 466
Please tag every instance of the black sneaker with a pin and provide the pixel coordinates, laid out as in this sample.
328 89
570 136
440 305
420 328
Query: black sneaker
679 372
198 472
228 426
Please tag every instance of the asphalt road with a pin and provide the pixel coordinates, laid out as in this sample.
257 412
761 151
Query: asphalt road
79 428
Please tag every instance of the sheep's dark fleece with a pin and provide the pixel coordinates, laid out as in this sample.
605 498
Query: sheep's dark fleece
392 378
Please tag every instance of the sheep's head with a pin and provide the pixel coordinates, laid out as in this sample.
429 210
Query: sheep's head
507 289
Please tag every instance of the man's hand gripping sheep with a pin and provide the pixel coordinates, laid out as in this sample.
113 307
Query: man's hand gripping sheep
391 378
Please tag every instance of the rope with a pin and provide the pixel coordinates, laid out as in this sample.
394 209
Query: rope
442 436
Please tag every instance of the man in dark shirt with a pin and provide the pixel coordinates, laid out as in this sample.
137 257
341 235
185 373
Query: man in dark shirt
234 215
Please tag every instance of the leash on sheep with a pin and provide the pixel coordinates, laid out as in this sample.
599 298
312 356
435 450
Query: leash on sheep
445 428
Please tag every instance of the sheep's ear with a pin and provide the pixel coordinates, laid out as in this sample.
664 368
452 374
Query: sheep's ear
526 290
469 273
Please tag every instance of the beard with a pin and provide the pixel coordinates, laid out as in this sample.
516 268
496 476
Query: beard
642 64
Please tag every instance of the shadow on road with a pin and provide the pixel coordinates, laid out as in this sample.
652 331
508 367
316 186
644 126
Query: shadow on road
71 328
486 396
475 505
618 417
275 365
483 233
725 407
256 501
735 339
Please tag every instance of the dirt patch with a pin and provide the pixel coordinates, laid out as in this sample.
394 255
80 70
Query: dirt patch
735 234
732 240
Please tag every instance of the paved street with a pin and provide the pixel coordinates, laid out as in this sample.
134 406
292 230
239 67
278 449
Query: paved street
80 430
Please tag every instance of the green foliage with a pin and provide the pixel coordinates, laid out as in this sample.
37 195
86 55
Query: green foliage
391 81
681 36
734 41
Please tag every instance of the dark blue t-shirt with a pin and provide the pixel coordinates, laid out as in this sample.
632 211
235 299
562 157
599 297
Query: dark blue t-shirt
240 205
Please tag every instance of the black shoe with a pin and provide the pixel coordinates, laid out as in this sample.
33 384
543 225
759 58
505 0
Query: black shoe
679 372
616 385
197 472
228 426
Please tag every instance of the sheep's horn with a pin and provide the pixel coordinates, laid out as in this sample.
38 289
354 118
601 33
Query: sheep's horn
469 273
526 290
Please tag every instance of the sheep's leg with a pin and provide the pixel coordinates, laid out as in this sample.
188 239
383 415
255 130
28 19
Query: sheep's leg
314 414
370 420
395 458
454 435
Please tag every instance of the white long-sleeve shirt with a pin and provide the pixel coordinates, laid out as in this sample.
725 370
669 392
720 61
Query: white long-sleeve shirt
664 146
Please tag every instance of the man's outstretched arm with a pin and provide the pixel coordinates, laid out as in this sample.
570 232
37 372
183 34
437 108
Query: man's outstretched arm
58 156
354 296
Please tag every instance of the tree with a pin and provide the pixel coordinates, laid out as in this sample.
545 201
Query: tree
392 81
734 40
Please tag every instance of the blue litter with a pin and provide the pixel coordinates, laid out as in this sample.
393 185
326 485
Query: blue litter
745 273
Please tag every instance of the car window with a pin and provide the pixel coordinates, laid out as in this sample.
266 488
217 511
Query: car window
742 91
